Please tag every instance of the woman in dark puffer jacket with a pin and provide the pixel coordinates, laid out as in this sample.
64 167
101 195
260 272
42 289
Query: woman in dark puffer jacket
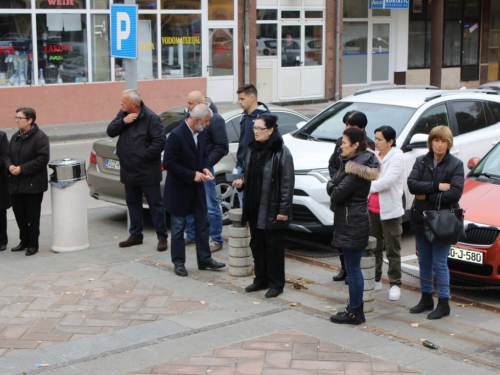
349 190
437 172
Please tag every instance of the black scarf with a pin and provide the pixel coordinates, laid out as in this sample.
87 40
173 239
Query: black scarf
254 173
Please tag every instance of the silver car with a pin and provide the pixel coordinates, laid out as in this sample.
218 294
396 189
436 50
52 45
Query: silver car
103 174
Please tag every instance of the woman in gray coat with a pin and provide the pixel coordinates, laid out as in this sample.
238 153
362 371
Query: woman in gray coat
4 192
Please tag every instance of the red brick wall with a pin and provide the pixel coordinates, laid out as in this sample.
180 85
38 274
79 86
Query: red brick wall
57 104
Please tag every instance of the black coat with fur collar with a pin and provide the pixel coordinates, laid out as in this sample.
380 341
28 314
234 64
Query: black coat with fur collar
349 200
278 181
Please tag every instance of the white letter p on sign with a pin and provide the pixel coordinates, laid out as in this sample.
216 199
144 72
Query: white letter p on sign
123 32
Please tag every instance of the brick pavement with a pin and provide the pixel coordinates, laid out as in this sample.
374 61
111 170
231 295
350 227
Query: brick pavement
45 310
285 352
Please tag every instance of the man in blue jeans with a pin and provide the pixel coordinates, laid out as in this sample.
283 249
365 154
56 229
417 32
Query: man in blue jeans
217 145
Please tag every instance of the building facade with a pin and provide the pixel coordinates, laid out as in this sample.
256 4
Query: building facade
54 54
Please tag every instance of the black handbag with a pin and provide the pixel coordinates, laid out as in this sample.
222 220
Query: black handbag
444 226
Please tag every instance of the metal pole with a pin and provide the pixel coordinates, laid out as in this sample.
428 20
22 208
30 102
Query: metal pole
337 53
246 39
130 65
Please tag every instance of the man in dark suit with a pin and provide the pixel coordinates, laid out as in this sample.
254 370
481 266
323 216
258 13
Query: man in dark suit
186 161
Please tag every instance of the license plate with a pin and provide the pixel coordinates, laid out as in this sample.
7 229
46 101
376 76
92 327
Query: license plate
112 164
466 255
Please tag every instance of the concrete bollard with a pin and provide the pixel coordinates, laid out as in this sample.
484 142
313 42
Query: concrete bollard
368 271
240 255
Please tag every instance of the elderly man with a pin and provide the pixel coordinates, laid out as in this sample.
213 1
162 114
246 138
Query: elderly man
186 161
142 139
217 147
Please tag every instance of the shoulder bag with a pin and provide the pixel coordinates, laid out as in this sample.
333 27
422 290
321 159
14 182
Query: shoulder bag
444 226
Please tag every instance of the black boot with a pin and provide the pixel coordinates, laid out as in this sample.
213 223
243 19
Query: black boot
426 303
342 274
442 309
349 316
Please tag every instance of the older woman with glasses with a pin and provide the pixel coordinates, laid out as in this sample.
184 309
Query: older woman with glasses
26 162
267 206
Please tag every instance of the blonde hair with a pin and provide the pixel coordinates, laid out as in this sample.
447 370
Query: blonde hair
442 132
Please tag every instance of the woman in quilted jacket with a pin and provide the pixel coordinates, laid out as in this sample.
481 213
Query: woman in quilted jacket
348 190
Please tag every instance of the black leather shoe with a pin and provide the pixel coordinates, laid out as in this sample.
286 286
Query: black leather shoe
255 287
211 264
273 293
3 247
31 251
180 270
19 247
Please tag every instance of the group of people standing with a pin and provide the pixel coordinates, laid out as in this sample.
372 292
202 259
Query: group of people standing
23 179
366 193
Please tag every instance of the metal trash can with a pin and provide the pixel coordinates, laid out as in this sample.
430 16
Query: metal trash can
69 193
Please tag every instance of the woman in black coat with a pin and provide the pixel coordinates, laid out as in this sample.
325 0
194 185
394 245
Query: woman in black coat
4 192
26 161
267 206
437 172
349 189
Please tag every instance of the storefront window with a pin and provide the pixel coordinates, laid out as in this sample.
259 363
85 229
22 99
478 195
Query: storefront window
16 49
61 4
101 60
267 14
147 62
313 45
180 45
181 4
452 40
221 52
355 51
15 4
419 44
141 4
355 8
220 10
267 36
99 4
62 48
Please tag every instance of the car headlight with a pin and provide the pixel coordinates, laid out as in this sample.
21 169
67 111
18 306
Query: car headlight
323 175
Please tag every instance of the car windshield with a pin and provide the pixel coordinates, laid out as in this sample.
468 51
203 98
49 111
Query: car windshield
171 120
489 165
328 125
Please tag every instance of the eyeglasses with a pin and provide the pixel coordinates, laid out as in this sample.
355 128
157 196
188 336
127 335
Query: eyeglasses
19 118
260 128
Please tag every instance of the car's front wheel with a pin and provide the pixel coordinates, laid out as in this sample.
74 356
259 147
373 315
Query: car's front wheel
227 197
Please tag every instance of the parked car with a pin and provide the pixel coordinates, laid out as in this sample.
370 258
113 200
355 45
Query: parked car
478 258
474 118
103 174
266 47
495 85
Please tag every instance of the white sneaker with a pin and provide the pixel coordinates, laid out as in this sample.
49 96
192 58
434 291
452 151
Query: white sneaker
378 285
394 293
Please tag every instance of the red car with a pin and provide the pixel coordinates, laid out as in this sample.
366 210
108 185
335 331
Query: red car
478 258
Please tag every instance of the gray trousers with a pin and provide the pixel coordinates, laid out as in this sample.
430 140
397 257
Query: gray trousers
388 235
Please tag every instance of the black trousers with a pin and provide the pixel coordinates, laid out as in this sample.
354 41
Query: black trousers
27 209
3 227
268 250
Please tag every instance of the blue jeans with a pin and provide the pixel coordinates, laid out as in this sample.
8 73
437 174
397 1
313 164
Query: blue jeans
214 215
202 228
133 196
352 260
433 259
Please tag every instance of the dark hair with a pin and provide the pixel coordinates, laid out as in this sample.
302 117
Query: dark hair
271 121
357 135
356 118
247 89
346 116
28 112
388 132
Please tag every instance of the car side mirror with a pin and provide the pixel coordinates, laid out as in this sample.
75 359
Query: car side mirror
471 164
301 124
418 141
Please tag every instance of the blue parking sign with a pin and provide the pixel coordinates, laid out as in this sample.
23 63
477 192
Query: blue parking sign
124 31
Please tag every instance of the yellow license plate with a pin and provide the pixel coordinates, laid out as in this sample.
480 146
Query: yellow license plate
466 255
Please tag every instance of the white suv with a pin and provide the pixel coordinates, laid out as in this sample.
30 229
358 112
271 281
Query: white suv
472 115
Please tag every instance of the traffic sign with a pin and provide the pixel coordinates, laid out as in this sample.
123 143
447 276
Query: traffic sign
124 31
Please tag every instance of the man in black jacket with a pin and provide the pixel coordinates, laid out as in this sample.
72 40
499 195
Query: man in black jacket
351 119
217 147
141 142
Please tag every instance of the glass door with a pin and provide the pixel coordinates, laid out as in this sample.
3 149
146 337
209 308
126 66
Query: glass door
380 51
221 64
